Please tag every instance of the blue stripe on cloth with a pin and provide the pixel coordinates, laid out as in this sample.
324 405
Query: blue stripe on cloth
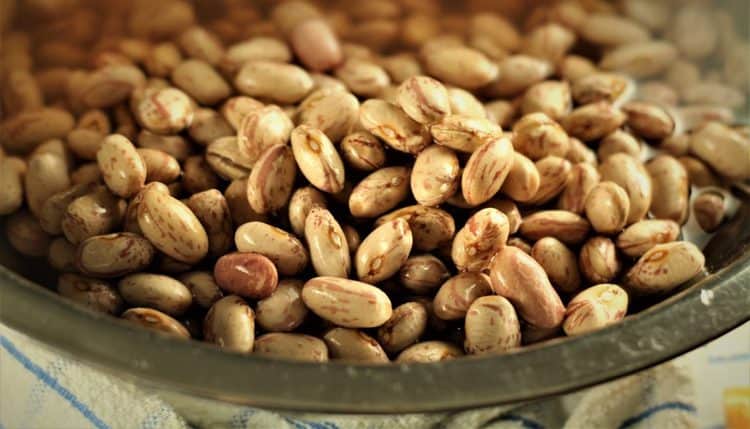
239 420
36 396
52 383
1 425
525 423
680 406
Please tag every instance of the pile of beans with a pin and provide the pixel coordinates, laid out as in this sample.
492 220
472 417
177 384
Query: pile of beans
368 181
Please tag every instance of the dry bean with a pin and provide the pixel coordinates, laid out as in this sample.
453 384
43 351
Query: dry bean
641 236
523 180
699 173
713 93
230 324
250 275
318 159
477 242
384 251
579 152
464 133
456 295
648 120
113 255
160 166
491 326
619 141
201 81
164 111
316 45
671 185
197 42
486 170
583 178
109 85
664 267
235 109
658 92
363 77
156 291
391 124
284 310
329 250
695 116
464 103
281 247
212 210
363 151
431 227
598 260
709 209
549 41
278 82
536 135
302 201
26 236
291 346
95 294
567 227
554 173
559 262
162 59
203 288
197 175
597 87
429 351
612 30
271 180
175 146
435 175
123 169
407 323
424 99
640 59
255 49
676 145
239 206
61 255
632 176
449 64
226 159
593 121
331 110
501 112
352 345
208 125
401 66
11 193
156 321
47 175
516 74
422 274
724 149
347 303
379 192
595 308
551 98
607 207
96 213
574 67
21 92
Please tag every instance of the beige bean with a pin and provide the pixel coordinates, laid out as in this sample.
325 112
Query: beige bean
516 74
281 247
230 324
47 175
363 77
171 226
600 86
676 145
619 141
595 308
491 326
699 173
536 135
501 112
96 213
460 66
559 262
175 146
477 242
203 288
424 99
284 310
550 41
316 45
155 291
96 294
422 274
407 323
640 59
270 183
607 207
554 173
278 82
658 92
209 125
567 227
497 27
464 103
464 133
695 116
197 175
160 166
123 169
347 303
162 59
379 192
201 81
212 210
401 66
11 193
518 277
333 111
428 352
709 209
21 92
352 345
318 159
61 255
431 227
523 180
26 236
550 98
583 177
236 108
164 111
641 236
652 15
391 124
156 321
384 251
671 184
598 260
486 170
329 251
593 121
363 151
722 148
55 147
302 201
612 30
239 206
109 85
198 42
226 159
631 175
648 120
664 267
297 347
579 152
456 295
258 48
435 175
113 255
713 93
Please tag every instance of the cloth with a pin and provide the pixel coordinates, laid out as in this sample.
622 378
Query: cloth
40 389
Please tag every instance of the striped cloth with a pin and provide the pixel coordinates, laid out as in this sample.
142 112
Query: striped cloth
39 389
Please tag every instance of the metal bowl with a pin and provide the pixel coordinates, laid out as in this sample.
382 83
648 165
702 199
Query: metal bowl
700 312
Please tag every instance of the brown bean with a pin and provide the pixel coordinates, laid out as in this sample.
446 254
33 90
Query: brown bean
96 294
422 274
26 236
249 275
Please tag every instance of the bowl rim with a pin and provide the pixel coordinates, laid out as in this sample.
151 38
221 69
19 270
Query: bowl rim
710 307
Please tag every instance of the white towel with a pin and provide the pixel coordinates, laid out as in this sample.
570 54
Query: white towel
40 389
